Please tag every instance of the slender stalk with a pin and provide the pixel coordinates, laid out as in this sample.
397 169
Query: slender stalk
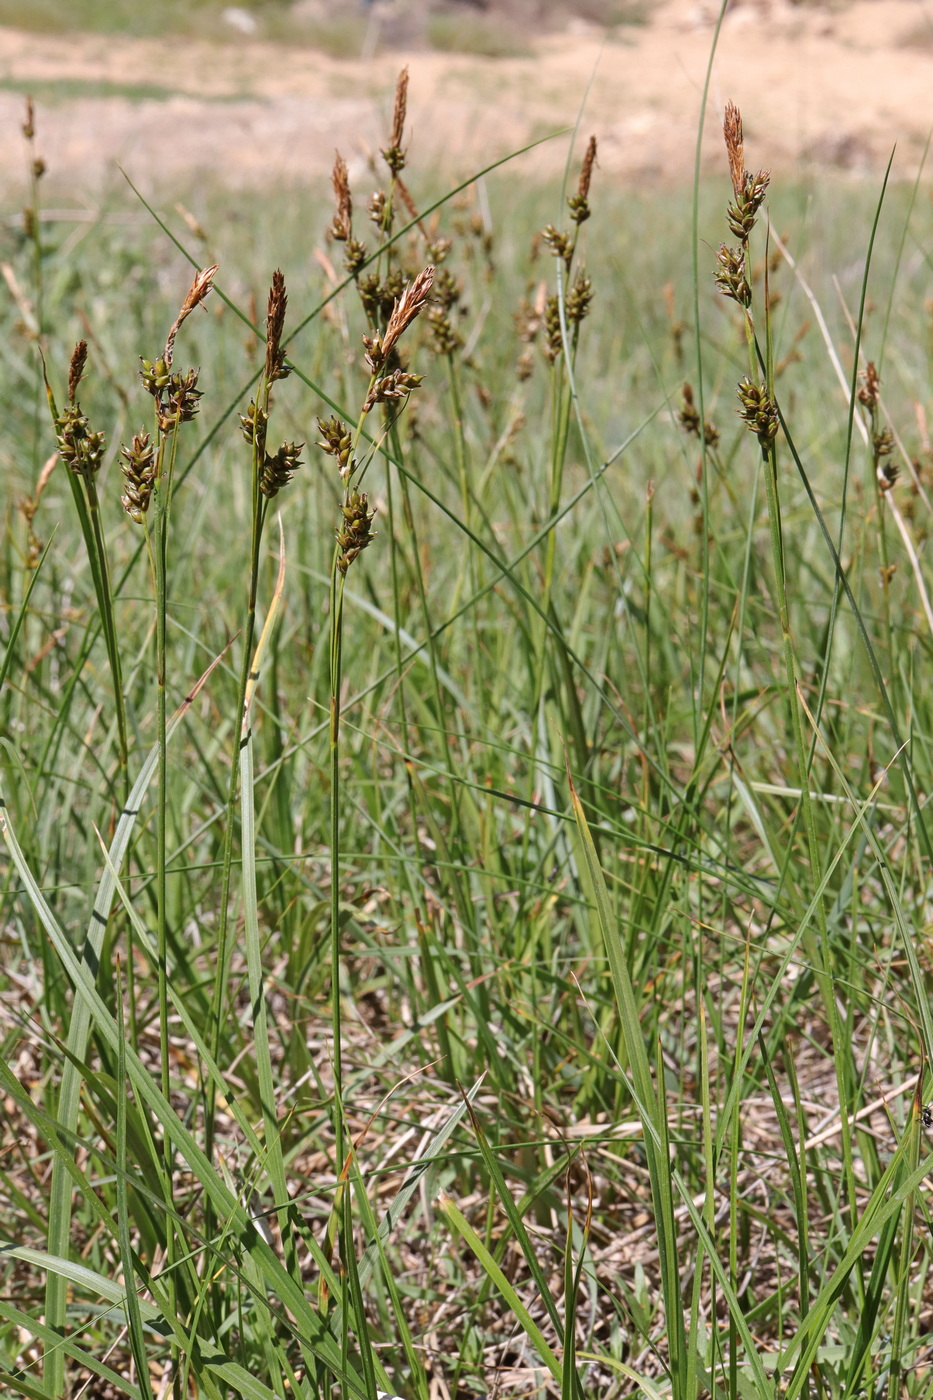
223 950
82 451
355 535
270 472
162 504
110 634
336 657
148 500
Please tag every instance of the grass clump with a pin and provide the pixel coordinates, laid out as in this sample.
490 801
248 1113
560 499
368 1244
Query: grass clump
470 929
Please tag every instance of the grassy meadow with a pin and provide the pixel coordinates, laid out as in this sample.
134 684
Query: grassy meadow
466 886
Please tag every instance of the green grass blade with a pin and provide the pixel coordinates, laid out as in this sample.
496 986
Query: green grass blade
886 1202
133 1314
79 1029
514 1216
274 1160
21 614
53 1341
492 1271
416 1172
648 1102
224 1201
98 1286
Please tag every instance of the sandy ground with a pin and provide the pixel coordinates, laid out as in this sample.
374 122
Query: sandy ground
834 86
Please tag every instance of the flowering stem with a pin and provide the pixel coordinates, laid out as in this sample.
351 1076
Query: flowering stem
161 497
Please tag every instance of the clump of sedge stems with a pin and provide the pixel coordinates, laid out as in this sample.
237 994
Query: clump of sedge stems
758 410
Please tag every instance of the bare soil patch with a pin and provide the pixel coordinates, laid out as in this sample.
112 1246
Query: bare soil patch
831 87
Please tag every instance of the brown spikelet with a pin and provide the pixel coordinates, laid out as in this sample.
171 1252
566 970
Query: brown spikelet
357 532
871 385
394 155
278 468
579 203
735 147
586 169
29 125
275 324
758 411
203 281
342 227
406 308
76 369
401 108
138 466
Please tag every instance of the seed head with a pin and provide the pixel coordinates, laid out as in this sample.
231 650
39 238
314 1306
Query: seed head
525 364
277 470
393 155
357 528
560 244
444 338
337 443
406 309
155 375
354 256
253 424
390 289
871 387
81 450
758 411
76 369
578 299
391 388
743 213
138 466
369 289
554 343
735 146
887 471
579 203
180 401
202 284
341 229
529 317
882 443
379 210
275 325
447 290
731 278
438 249
176 395
689 419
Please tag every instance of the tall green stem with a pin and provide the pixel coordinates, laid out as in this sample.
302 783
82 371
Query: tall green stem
162 497
336 653
824 963
223 919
